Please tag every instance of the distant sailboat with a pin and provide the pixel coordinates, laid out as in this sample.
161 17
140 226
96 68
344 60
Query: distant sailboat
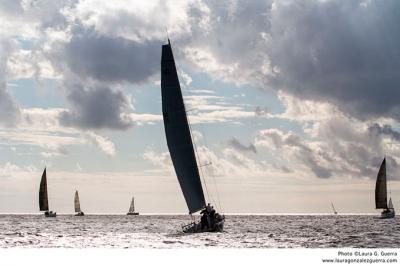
43 198
381 193
132 208
180 144
77 205
333 208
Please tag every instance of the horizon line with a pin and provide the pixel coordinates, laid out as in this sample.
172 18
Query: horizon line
232 213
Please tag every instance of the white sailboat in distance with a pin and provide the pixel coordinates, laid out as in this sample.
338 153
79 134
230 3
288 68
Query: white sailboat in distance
77 205
381 193
180 146
132 208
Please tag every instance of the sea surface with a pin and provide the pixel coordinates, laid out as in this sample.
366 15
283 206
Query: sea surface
164 231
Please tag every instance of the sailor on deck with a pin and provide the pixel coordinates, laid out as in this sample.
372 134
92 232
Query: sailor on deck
205 218
204 221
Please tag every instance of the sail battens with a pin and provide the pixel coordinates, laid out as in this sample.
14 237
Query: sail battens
77 203
179 140
43 198
380 187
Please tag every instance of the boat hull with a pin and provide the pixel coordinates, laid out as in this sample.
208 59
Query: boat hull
80 214
195 227
132 213
50 214
387 214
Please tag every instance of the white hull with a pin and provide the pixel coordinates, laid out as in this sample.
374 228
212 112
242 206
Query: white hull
80 214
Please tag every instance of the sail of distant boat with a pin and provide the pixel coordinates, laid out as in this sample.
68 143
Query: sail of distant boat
390 205
333 208
381 193
43 198
178 134
77 203
380 187
132 207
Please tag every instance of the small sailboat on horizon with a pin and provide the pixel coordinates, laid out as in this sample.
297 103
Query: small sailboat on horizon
77 205
132 208
180 146
381 193
43 197
334 210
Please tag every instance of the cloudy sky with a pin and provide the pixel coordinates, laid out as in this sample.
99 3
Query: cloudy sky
295 103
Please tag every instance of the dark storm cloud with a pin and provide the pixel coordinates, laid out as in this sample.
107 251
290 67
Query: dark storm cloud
92 58
111 59
343 52
340 51
96 108
236 144
384 130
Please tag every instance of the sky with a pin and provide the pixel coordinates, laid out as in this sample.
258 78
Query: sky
292 104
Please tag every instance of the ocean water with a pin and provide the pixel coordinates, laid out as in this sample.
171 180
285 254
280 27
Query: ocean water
163 231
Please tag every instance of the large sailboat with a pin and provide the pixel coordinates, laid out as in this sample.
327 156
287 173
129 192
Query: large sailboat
132 208
43 198
77 205
381 193
180 146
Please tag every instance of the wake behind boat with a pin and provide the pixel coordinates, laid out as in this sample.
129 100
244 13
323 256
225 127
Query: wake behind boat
381 193
77 205
180 146
43 198
132 208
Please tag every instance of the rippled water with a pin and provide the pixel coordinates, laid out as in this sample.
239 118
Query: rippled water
163 231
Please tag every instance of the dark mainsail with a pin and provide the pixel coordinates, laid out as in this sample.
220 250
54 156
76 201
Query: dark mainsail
177 132
43 201
380 187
